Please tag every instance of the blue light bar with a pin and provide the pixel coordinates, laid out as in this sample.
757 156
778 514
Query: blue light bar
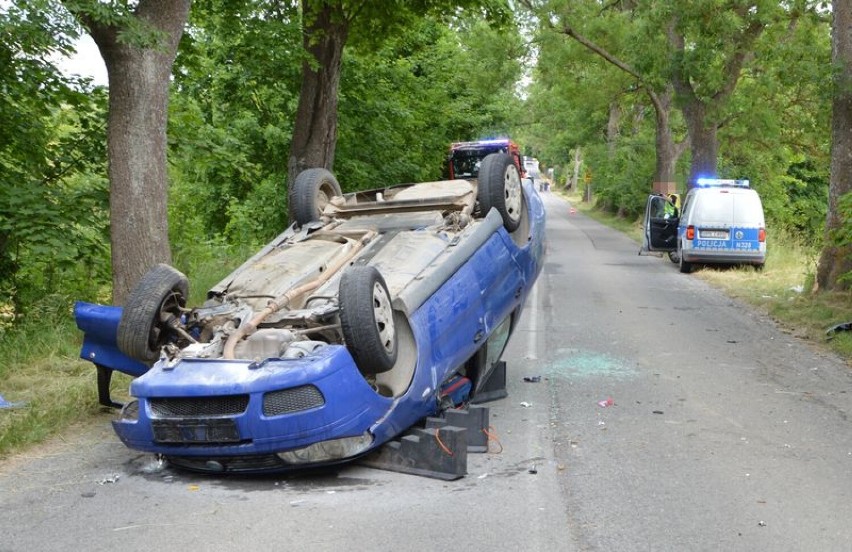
721 182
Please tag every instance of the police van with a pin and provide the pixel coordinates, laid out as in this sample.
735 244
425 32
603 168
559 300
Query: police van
721 222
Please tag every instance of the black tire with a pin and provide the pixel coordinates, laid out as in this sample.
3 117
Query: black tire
311 192
499 186
674 256
684 266
143 330
366 318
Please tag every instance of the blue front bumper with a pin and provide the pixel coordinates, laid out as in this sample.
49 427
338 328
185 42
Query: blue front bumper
217 407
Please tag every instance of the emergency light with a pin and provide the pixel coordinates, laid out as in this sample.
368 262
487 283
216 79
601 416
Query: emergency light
719 182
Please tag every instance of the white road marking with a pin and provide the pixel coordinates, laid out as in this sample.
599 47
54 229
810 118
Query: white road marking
532 335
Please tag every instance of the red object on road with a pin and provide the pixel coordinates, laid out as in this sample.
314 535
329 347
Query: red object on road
606 402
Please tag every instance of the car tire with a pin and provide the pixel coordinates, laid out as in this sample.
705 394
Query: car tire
499 187
143 328
310 193
685 267
366 319
674 256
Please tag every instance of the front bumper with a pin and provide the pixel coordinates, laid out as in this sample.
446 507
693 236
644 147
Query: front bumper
213 413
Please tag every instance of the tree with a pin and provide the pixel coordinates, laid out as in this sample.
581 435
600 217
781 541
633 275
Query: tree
835 262
328 25
52 163
623 32
138 46
692 55
235 89
710 45
326 28
668 150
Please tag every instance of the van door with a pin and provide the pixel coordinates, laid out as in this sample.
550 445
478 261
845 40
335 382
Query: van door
660 224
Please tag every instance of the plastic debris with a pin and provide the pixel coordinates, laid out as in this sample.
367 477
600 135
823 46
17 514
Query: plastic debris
606 402
761 523
657 412
526 404
110 479
532 379
6 404
845 327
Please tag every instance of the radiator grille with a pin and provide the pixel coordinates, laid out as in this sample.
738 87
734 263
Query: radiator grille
295 399
233 464
198 407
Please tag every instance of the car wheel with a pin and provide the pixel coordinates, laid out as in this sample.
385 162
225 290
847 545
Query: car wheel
310 193
684 266
674 256
366 319
500 187
153 306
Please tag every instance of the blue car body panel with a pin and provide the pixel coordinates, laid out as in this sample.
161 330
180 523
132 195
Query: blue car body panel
448 328
99 324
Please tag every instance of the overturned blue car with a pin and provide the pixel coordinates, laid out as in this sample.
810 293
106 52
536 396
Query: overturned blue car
339 335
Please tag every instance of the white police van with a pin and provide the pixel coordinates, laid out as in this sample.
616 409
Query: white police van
721 222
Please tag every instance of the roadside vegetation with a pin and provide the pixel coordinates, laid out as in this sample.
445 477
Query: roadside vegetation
784 289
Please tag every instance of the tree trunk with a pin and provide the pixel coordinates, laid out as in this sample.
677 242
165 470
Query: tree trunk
139 78
702 139
836 259
575 176
612 129
667 150
315 132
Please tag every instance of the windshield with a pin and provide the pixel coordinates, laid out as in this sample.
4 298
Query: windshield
466 163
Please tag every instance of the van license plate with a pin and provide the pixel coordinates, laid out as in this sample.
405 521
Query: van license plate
713 234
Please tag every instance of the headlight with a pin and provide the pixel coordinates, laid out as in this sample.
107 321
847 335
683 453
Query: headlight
324 451
130 412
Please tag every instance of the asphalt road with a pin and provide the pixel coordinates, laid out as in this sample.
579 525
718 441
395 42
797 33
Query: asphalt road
723 433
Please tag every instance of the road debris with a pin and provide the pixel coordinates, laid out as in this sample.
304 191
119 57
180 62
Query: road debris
6 404
526 404
606 402
845 327
110 479
532 379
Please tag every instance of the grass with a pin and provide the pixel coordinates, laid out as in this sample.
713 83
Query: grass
783 289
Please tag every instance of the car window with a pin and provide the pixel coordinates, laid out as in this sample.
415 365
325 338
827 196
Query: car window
658 209
747 208
715 208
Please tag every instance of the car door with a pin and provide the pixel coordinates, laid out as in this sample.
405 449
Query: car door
660 224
